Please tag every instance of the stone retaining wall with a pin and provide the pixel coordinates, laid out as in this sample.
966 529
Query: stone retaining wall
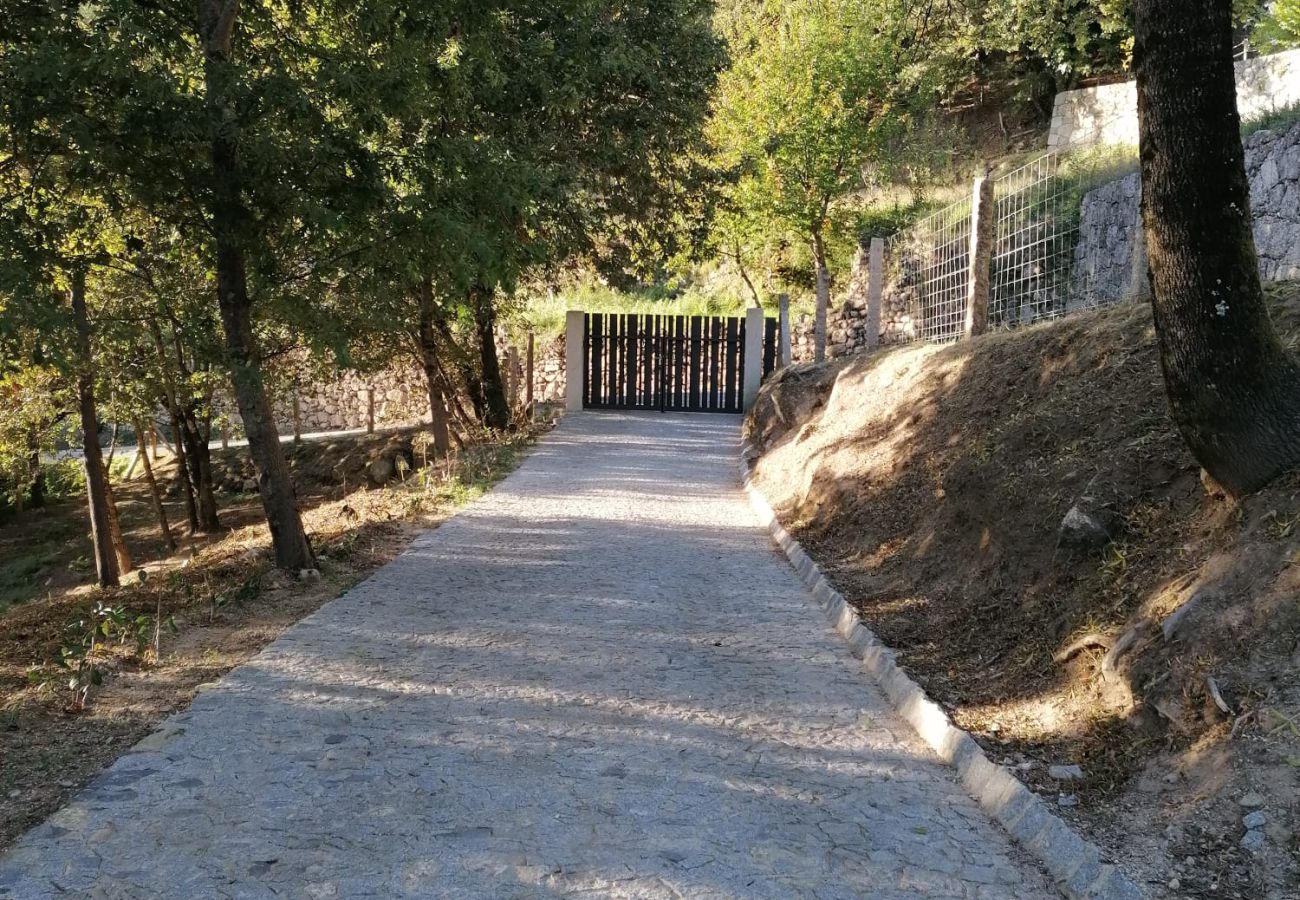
1109 258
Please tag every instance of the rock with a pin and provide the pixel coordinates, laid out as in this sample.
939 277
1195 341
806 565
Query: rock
250 485
380 470
1082 531
1067 800
1174 884
1254 820
1065 773
1251 800
1253 840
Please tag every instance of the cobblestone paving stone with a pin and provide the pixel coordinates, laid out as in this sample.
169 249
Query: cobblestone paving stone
598 681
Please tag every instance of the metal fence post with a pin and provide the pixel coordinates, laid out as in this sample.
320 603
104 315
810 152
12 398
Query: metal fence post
783 330
981 256
575 362
875 290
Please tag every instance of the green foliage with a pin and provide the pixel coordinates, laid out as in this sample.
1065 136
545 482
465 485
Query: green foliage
816 108
1279 27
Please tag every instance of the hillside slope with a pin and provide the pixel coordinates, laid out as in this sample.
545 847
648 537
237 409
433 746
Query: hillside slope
934 483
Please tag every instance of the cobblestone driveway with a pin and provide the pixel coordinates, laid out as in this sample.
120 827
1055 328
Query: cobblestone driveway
598 681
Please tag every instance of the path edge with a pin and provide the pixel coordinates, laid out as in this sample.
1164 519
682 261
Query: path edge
1077 865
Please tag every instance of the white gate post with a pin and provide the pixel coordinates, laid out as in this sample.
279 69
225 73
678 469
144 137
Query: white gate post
575 360
753 362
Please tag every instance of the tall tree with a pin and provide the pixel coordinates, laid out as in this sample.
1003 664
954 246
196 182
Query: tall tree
818 91
1233 389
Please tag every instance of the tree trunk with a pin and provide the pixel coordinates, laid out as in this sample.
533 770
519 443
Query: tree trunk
231 223
106 568
496 413
183 471
37 471
432 371
1233 390
198 457
120 551
159 509
823 296
198 463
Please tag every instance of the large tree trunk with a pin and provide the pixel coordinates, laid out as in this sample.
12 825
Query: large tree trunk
823 276
432 371
496 412
1233 390
231 222
106 567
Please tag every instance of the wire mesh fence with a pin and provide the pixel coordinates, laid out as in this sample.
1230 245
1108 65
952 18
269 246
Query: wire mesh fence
1036 227
1035 268
930 264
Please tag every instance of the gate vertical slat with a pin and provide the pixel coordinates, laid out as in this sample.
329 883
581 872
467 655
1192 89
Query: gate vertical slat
769 346
654 345
715 366
615 356
729 366
696 359
629 370
594 381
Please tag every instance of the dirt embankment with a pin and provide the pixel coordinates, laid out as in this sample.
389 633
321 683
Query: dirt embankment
1019 518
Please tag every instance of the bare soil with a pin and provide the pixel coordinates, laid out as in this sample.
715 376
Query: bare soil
220 599
931 482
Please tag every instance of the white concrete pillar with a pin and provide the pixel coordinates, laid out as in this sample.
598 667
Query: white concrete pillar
575 359
753 363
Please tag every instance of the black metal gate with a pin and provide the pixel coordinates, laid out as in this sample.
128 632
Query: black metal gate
687 363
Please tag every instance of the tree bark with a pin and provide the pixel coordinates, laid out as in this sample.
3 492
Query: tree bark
198 457
432 371
38 472
183 471
106 567
115 537
155 494
496 412
1233 390
823 276
231 222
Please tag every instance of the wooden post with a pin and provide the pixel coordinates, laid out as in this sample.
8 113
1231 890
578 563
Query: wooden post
370 409
783 330
875 291
512 376
528 372
225 435
981 256
153 440
297 418
575 361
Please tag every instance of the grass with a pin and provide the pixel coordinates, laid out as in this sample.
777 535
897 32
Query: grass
545 313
